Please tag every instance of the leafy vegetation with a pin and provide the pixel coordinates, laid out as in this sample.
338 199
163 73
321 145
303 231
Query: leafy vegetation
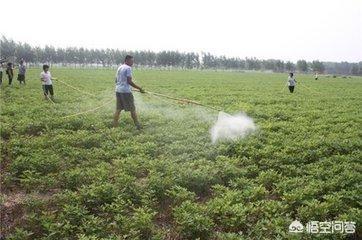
83 179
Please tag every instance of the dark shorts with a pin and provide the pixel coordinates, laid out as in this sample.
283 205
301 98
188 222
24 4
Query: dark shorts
21 78
48 89
125 101
291 89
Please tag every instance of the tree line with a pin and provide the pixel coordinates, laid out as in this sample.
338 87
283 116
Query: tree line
191 60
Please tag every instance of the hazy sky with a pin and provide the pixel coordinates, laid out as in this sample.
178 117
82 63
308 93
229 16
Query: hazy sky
280 29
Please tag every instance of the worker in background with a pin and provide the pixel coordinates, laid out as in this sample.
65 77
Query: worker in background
22 71
10 72
291 82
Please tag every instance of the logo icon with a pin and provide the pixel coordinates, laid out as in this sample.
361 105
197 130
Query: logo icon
296 227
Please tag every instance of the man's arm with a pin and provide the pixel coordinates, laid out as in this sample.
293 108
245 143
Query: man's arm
42 78
130 82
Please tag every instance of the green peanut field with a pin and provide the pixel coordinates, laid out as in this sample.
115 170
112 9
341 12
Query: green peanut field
66 173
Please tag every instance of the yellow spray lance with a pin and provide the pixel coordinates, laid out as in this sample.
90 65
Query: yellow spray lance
183 100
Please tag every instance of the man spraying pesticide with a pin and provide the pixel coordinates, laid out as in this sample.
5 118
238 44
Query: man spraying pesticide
124 96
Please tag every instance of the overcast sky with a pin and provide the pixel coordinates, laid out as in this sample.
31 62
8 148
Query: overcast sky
281 29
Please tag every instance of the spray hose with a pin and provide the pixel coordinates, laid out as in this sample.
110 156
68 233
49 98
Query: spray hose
84 92
87 111
183 100
77 89
312 90
302 85
51 100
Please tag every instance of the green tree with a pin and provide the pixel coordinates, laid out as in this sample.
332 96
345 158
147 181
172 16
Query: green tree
7 48
302 66
355 69
317 66
289 66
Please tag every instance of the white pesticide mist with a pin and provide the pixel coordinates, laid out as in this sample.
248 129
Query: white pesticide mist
226 128
231 127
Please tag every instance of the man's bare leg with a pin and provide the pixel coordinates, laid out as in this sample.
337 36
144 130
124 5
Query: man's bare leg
116 118
135 119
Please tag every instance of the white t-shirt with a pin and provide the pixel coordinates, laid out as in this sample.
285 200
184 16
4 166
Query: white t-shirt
291 81
46 78
122 85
